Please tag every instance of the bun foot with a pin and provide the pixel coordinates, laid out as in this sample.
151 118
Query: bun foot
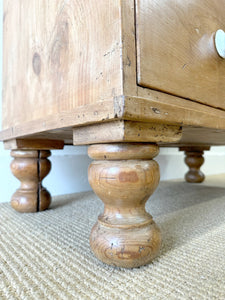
124 176
127 247
194 160
30 167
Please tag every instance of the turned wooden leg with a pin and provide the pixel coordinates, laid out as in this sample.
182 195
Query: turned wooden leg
30 167
194 160
124 176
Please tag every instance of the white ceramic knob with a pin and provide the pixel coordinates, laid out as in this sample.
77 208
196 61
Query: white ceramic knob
220 42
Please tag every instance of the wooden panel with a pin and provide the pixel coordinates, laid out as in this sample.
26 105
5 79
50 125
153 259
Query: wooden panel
152 107
59 55
175 48
128 47
202 136
126 131
199 136
171 110
115 130
32 144
83 115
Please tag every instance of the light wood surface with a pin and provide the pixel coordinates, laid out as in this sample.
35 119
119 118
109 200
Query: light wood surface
33 144
202 136
125 234
82 115
176 51
126 131
111 71
36 113
128 47
30 167
37 105
163 108
59 55
194 118
123 151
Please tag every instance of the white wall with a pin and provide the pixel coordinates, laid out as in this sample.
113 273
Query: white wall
69 166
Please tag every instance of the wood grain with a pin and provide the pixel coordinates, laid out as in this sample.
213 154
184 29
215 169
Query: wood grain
125 234
30 167
123 151
82 115
195 136
150 107
38 105
153 106
128 49
126 131
175 48
59 55
207 124
38 144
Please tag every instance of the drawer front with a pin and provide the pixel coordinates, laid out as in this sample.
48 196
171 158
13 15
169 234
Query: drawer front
176 50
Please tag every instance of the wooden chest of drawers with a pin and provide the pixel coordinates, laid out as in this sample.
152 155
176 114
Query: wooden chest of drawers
125 77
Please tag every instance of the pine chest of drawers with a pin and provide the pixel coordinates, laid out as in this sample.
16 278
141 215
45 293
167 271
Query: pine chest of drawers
125 77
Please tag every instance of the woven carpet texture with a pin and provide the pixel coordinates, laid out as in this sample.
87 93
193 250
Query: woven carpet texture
47 256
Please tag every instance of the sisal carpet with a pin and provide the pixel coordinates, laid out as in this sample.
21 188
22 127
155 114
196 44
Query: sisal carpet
47 256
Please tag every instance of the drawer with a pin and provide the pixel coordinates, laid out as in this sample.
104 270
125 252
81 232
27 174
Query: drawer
176 50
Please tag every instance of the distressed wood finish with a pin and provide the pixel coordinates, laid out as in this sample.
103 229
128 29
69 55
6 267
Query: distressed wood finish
59 55
29 144
30 167
111 71
126 131
194 160
68 74
154 106
52 89
175 48
125 234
